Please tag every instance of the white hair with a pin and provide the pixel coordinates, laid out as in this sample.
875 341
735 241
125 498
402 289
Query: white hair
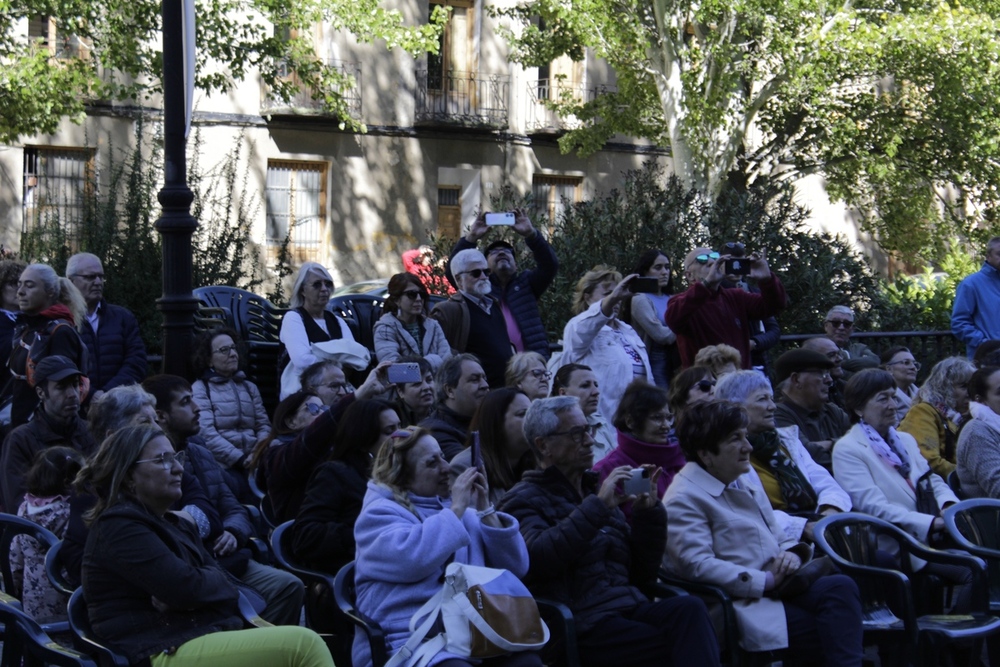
464 259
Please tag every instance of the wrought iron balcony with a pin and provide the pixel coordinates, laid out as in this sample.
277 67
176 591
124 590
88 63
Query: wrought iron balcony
540 119
469 99
305 101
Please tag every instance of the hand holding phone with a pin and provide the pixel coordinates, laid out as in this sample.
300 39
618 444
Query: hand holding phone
638 483
505 219
403 373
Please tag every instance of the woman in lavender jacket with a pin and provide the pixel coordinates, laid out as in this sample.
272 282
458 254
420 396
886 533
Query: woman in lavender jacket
409 531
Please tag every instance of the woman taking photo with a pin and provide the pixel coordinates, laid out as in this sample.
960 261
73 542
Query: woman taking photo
232 415
979 442
323 532
899 361
941 406
646 313
596 337
405 330
414 400
153 593
723 532
53 308
408 517
499 421
526 372
309 321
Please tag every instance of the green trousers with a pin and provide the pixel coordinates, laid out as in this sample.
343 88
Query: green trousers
278 646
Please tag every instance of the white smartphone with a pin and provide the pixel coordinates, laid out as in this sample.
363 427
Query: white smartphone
638 483
494 219
401 373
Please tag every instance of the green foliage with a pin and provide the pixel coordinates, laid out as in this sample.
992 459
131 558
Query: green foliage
235 40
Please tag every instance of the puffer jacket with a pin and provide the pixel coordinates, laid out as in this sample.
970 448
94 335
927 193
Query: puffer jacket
233 419
203 465
523 292
393 341
117 353
582 553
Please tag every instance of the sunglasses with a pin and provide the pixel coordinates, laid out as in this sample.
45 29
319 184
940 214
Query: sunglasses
414 294
840 324
477 273
316 408
322 283
705 385
703 259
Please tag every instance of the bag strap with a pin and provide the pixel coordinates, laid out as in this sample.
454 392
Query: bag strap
412 650
477 620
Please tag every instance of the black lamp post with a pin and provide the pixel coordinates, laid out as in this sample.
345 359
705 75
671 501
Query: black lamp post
176 225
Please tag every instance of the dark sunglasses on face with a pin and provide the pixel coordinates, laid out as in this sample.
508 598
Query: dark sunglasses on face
413 294
316 408
477 273
703 259
322 283
840 324
705 385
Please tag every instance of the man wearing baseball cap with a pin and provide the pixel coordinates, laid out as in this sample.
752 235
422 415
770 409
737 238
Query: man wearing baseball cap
56 421
803 379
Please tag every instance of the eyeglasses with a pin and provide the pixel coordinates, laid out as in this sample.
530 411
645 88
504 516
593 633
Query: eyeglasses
906 362
476 273
840 324
225 350
705 385
316 408
319 284
577 434
500 249
89 277
337 387
703 259
413 294
167 459
540 373
822 372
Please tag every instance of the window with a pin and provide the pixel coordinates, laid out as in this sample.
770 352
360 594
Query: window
295 196
56 184
552 194
449 211
455 53
60 45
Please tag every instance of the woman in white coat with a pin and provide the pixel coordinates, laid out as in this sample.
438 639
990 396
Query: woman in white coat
595 337
722 531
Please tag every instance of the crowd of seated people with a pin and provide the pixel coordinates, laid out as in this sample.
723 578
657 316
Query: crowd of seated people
407 477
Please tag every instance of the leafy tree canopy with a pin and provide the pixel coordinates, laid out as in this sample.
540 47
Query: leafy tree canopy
121 56
896 103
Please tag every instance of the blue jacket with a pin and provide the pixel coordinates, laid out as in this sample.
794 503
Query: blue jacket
975 317
523 291
117 354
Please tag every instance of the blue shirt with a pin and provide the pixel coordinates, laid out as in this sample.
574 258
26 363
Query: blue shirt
975 317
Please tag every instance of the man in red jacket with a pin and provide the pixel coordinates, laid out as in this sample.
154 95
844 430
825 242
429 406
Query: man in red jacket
705 314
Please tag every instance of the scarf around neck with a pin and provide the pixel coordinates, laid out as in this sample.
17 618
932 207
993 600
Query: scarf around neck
892 452
795 488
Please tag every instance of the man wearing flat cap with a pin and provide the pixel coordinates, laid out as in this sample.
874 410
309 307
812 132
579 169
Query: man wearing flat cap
803 378
56 421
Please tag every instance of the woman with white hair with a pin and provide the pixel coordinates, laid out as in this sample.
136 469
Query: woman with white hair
595 337
942 406
309 321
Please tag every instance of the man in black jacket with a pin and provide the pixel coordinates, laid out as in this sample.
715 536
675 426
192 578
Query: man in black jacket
461 386
584 555
177 415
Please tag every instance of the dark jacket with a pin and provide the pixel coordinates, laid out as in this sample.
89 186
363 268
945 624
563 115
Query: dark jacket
582 553
133 556
523 291
203 465
449 428
286 467
323 532
116 351
24 443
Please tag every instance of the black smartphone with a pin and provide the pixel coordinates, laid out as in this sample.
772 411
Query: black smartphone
644 285
477 457
737 266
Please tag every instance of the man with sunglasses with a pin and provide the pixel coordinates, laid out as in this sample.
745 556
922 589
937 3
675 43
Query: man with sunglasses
705 314
517 291
473 319
839 325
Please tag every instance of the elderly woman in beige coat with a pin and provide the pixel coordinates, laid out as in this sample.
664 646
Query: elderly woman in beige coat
721 531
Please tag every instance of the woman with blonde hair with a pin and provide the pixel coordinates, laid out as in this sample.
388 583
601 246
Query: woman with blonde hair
595 337
52 312
720 359
408 517
526 372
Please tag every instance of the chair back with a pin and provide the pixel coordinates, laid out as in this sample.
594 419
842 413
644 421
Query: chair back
975 526
83 633
361 312
26 643
344 593
281 539
10 527
55 570
956 485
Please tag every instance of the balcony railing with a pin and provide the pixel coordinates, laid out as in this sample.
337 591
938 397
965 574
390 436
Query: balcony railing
305 102
469 99
541 119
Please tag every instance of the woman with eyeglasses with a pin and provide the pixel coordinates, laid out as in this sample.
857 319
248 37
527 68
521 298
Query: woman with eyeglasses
645 437
899 361
309 321
526 372
153 592
646 312
232 415
498 424
595 337
404 329
940 411
412 525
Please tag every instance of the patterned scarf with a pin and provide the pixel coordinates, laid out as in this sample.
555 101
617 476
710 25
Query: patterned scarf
892 452
795 488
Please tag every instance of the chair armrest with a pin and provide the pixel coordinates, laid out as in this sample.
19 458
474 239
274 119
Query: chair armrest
259 549
694 587
251 617
565 615
376 637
